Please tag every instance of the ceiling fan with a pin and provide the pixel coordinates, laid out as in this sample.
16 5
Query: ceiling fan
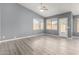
43 8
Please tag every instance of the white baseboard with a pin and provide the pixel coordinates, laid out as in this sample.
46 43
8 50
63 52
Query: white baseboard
20 38
75 37
56 35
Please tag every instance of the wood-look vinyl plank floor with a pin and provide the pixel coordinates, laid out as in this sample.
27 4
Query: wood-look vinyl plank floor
41 45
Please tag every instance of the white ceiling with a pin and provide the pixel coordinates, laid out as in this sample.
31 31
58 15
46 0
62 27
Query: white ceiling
53 8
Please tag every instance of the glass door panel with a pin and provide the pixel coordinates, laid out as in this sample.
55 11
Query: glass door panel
63 25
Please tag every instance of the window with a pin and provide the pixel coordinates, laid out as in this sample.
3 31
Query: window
54 24
77 24
36 24
49 24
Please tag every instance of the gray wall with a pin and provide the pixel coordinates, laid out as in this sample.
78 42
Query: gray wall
0 21
16 21
44 26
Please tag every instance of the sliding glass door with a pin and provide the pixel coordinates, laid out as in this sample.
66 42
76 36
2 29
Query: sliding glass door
58 26
63 27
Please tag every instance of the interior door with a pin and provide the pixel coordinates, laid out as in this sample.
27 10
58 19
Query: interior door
63 27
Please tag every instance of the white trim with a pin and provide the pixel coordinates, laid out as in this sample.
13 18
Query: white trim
20 38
